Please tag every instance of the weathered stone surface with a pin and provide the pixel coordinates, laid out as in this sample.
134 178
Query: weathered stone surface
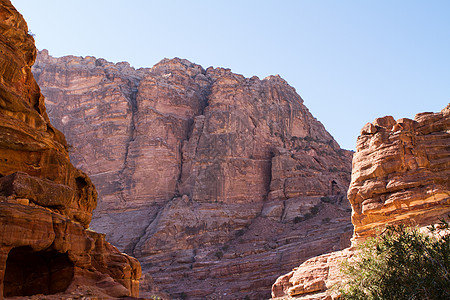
400 174
80 261
313 279
46 203
28 141
216 182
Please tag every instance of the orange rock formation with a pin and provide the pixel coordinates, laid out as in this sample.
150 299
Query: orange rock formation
46 203
401 174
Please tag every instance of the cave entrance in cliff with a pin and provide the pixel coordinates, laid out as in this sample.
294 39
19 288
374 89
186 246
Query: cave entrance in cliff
29 272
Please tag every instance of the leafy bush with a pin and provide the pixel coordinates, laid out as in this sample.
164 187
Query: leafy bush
298 219
326 199
402 263
239 233
326 220
312 212
333 169
315 209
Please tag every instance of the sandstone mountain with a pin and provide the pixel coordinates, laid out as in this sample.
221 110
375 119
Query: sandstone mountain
401 174
46 203
217 183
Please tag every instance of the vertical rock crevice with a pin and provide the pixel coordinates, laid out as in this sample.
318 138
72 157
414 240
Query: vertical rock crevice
132 100
193 126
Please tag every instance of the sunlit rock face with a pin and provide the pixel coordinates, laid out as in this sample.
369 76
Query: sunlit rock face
46 203
217 183
400 175
401 172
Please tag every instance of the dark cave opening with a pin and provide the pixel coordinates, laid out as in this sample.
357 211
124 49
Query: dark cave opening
29 272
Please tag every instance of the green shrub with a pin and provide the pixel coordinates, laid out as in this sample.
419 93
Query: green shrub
326 220
402 263
333 169
239 233
326 199
315 209
298 219
219 254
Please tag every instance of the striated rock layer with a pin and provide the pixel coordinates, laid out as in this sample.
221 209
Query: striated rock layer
217 183
400 174
46 203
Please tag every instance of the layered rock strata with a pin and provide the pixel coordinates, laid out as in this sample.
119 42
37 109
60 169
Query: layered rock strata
214 181
46 203
400 174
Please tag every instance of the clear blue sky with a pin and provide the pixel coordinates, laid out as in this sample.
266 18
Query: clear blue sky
351 61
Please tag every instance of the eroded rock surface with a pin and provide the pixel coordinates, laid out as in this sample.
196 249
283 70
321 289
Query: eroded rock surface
214 181
46 203
400 174
313 279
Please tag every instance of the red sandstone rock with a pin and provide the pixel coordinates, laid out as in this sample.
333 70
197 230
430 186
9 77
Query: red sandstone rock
400 174
28 141
216 182
35 240
46 203
313 279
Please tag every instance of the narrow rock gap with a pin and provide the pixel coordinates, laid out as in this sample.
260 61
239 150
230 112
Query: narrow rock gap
205 93
132 100
153 219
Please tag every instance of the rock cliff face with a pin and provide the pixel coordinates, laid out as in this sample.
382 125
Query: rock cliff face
400 174
46 203
217 183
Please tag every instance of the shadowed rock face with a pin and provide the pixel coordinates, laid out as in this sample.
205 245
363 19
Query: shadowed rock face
400 175
46 203
216 182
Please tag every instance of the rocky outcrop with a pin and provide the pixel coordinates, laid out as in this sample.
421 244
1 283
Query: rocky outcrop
313 278
46 253
214 181
400 174
46 203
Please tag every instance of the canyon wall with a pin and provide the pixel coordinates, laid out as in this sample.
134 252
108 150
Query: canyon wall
217 183
400 175
46 204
